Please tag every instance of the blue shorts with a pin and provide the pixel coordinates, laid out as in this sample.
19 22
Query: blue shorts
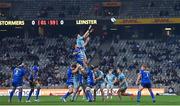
100 85
91 84
146 85
69 84
80 62
14 84
110 86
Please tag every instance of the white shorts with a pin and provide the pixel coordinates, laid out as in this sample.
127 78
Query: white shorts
110 86
100 86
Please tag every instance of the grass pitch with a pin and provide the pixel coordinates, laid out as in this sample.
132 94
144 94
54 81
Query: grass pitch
55 100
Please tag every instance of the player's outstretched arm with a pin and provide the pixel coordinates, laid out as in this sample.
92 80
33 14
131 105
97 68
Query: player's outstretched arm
76 69
123 81
86 34
27 79
82 70
86 42
98 78
115 80
90 31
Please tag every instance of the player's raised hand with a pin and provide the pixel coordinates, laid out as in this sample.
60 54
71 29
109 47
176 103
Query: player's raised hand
78 65
82 70
91 30
90 27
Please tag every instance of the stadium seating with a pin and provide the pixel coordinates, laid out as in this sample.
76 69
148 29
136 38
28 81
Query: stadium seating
90 9
54 56
48 52
161 55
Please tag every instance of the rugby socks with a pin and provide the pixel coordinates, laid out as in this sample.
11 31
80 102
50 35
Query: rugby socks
20 96
108 94
66 95
119 95
138 96
102 94
94 95
11 95
90 96
30 93
152 95
74 95
37 94
86 95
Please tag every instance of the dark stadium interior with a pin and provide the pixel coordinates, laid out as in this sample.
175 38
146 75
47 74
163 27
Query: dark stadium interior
54 9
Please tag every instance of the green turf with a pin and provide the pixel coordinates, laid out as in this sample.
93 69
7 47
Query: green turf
55 100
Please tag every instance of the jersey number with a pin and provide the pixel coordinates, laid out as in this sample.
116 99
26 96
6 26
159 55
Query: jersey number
147 75
16 72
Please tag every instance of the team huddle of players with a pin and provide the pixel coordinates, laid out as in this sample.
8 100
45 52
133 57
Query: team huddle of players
81 76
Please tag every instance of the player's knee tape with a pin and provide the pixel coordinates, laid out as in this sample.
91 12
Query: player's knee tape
19 87
88 88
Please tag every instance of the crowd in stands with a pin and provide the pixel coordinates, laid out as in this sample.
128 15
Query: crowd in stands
161 55
53 55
